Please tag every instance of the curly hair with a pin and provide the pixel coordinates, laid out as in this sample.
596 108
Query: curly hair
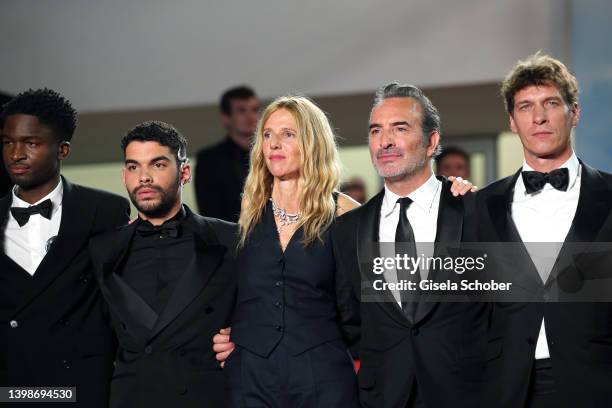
160 132
51 109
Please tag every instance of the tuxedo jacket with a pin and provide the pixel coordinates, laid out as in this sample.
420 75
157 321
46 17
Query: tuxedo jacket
61 335
442 348
579 334
167 359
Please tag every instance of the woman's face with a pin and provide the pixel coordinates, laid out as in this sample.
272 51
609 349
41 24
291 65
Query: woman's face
280 145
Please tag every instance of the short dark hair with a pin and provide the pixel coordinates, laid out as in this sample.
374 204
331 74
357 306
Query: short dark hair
160 132
51 109
239 92
452 150
539 69
431 116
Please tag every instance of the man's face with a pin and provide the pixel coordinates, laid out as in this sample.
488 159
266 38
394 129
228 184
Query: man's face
31 151
454 165
543 121
243 117
153 178
396 138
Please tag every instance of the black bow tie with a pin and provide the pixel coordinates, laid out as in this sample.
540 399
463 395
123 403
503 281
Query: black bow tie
22 214
534 180
168 229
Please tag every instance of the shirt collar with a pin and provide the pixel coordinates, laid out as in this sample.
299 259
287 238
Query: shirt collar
55 196
573 167
422 196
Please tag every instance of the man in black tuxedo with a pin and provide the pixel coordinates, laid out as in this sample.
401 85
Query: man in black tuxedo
413 353
168 279
543 353
54 330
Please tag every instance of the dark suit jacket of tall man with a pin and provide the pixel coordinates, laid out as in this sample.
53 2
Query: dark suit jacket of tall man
167 360
219 177
443 348
60 335
579 334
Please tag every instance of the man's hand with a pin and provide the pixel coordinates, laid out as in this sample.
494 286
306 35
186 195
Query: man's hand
461 186
222 345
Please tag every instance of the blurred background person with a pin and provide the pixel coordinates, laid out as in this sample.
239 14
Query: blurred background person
355 188
453 161
222 168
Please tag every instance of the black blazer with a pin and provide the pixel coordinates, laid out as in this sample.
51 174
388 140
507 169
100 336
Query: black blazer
219 177
63 336
579 334
167 360
443 348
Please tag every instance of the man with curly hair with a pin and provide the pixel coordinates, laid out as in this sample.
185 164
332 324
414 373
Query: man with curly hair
54 330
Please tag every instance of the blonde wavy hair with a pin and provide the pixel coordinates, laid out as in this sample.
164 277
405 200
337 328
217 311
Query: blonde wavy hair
319 170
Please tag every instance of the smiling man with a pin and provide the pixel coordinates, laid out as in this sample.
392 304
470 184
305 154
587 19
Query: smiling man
168 279
53 327
547 354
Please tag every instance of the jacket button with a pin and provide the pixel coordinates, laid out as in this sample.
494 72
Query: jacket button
278 284
148 350
279 328
63 322
209 310
183 390
14 324
83 278
66 364
278 304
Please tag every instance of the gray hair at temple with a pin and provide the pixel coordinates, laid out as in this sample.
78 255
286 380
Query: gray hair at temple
431 117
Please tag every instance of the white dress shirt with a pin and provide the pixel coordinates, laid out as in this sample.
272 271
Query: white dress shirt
546 216
28 245
422 215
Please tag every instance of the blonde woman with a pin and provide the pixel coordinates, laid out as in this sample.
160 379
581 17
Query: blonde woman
292 307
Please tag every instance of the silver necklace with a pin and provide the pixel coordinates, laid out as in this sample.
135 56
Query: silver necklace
283 216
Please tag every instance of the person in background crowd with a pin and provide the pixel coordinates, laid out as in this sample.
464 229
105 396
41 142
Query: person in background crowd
453 161
221 169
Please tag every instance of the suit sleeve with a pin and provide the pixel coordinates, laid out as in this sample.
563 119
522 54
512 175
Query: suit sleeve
347 294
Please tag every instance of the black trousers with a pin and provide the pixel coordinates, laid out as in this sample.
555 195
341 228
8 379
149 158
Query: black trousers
320 377
542 388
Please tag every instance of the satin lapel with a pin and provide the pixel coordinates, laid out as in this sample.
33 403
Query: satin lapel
122 299
594 205
448 232
72 238
499 206
367 237
208 257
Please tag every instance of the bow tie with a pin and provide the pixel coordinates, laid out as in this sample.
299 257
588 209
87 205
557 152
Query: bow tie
169 229
22 214
534 180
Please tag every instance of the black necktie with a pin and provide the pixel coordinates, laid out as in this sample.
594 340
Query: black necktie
168 229
405 235
534 180
22 214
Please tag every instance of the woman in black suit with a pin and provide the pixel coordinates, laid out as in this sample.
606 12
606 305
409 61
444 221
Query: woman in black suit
295 316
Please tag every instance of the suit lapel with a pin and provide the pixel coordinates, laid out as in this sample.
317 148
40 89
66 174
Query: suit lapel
448 232
125 301
367 237
499 206
74 232
5 204
594 205
208 257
